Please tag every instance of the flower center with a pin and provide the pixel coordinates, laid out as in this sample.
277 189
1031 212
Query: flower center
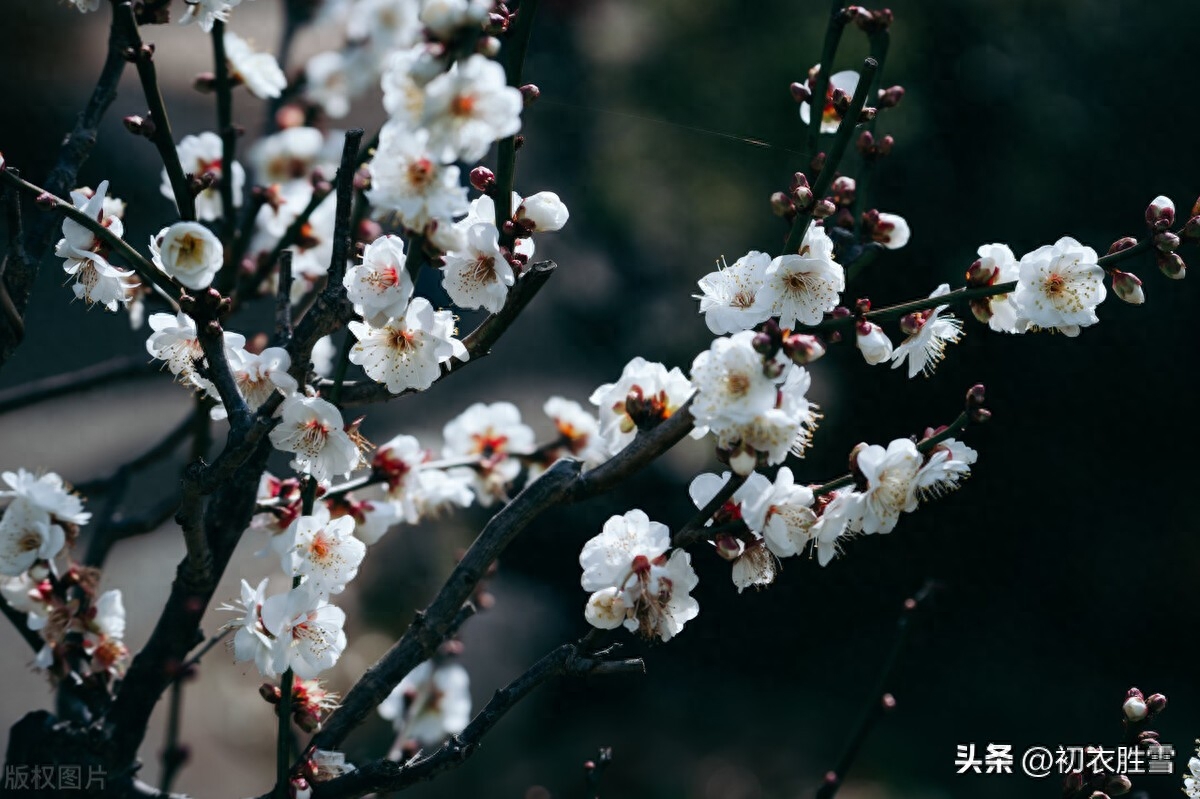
1055 285
401 340
742 299
30 542
313 434
484 269
737 384
420 173
462 105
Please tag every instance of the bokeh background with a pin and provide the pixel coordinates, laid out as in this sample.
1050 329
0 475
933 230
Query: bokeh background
1069 561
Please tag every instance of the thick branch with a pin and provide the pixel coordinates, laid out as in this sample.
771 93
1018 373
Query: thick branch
386 775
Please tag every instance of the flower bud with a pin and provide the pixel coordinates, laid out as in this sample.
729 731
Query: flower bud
873 343
545 210
911 324
1135 708
729 548
743 461
205 83
1172 265
803 349
891 97
1122 244
803 196
1156 703
1128 287
1192 229
489 46
976 395
840 101
1117 785
530 93
886 144
1166 241
483 179
843 189
1160 214
269 692
800 92
867 114
781 205
866 144
980 415
823 209
980 275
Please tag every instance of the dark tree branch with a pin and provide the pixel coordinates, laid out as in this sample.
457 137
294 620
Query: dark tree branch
593 771
506 155
22 264
224 89
104 373
816 105
880 699
695 530
283 301
19 621
385 775
479 342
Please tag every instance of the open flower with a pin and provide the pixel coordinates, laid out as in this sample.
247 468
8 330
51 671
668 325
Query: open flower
325 552
479 275
373 512
105 631
201 155
783 514
399 461
577 429
926 344
251 641
86 256
996 265
492 433
847 81
946 465
258 376
307 632
445 17
291 154
801 288
47 493
645 395
313 429
259 71
430 703
732 383
174 341
751 562
729 295
407 352
1060 286
188 252
468 108
409 181
891 478
27 535
380 286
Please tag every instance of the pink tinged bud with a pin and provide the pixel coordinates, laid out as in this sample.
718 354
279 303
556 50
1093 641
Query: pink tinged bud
483 179
803 349
824 209
1122 244
982 309
803 196
911 324
1135 708
891 97
873 343
1160 214
800 92
888 702
728 547
867 114
817 163
980 275
1118 785
843 189
743 461
1156 703
781 205
1172 265
976 395
269 692
530 93
1166 241
1192 229
1128 287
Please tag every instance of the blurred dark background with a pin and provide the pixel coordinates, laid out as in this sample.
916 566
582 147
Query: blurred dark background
1069 560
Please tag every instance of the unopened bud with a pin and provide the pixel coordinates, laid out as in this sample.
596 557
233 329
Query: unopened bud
530 93
891 97
866 144
803 349
1192 229
139 126
489 46
980 415
1098 795
1122 244
729 548
800 92
1156 703
824 209
743 461
980 275
483 179
843 190
1117 785
1172 265
269 692
867 114
803 196
763 344
840 100
1160 214
781 205
45 200
976 395
817 163
1135 708
1128 287
911 324
886 144
1166 241
205 83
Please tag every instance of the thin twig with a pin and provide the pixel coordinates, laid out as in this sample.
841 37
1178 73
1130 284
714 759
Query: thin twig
283 301
223 85
878 701
816 105
695 529
19 621
506 157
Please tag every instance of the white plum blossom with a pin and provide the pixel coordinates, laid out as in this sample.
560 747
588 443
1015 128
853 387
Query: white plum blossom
1191 780
27 535
404 75
384 25
430 703
206 12
493 434
259 71
47 493
660 392
785 428
946 465
891 478
847 81
380 286
410 182
578 429
188 252
103 639
332 78
440 489
96 280
291 154
926 346
837 514
543 211
322 356
407 352
251 641
890 230
313 429
469 107
445 17
313 251
996 265
729 295
1060 286
872 342
258 376
399 462
732 384
800 288
307 632
606 558
478 276
373 512
752 563
174 341
783 514
201 155
324 551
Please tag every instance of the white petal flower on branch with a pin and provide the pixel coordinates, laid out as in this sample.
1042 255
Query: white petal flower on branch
926 347
313 429
997 265
729 295
891 477
332 79
174 341
478 276
206 12
373 512
307 632
1060 286
801 288
752 564
325 552
783 514
85 256
27 535
732 386
259 71
407 353
380 286
493 434
291 154
645 387
251 641
607 558
890 230
544 211
468 108
847 81
385 25
872 342
838 514
104 638
947 465
438 490
399 461
785 428
578 429
188 252
258 376
408 181
430 703
201 155
444 18
48 493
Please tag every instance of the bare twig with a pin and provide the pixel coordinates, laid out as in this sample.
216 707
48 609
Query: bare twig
879 700
283 301
386 775
224 90
19 621
506 157
816 106
695 529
